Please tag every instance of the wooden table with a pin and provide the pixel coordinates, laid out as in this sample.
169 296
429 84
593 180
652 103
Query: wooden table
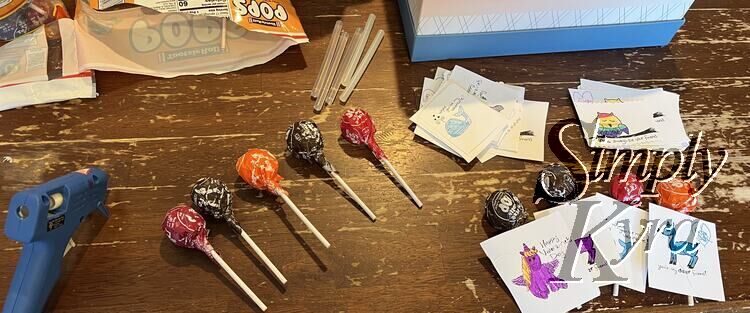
156 136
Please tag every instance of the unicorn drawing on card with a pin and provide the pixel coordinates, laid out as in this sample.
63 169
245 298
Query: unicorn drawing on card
538 277
686 248
586 245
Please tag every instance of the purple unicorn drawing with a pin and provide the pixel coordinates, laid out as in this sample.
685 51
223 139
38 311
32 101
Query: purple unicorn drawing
586 245
538 277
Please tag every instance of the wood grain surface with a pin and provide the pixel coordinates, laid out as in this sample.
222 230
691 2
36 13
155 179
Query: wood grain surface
156 136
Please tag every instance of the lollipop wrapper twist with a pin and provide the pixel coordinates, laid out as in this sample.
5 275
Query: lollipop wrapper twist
260 169
186 228
678 195
627 188
358 128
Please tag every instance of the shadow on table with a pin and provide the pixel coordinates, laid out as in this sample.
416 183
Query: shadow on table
248 195
221 227
181 257
310 170
73 258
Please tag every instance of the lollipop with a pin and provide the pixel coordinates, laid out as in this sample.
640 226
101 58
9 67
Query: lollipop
504 210
357 128
678 195
304 141
627 188
212 198
555 184
260 169
186 228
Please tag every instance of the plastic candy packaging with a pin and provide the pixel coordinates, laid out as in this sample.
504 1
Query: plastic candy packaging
504 211
627 188
18 17
139 40
278 17
555 184
678 195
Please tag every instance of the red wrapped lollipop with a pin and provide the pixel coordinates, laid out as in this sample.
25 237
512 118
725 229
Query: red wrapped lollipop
678 195
627 188
260 169
357 128
186 228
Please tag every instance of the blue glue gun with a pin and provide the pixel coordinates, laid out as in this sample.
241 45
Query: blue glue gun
44 219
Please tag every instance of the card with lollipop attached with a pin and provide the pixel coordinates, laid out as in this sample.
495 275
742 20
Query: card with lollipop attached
534 263
683 255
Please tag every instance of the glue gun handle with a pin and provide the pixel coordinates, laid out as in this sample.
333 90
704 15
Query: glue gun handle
36 274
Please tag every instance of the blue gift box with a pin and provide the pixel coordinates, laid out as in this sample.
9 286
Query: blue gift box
533 41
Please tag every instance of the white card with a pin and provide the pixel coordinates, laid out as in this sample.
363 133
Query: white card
627 230
530 259
592 255
684 256
460 120
429 87
532 137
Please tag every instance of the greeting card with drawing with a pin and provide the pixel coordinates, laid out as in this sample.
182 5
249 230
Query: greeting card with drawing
629 240
684 256
531 132
594 240
429 87
531 261
460 121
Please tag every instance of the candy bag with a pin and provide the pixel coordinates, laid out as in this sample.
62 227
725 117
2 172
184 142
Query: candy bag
18 17
277 17
139 40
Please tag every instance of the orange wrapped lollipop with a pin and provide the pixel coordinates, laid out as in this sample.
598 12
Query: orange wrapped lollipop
260 169
678 195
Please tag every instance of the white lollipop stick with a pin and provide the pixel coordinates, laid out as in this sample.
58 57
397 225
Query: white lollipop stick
327 59
340 46
223 33
616 290
351 194
263 257
237 280
401 181
358 49
363 66
304 219
333 91
691 301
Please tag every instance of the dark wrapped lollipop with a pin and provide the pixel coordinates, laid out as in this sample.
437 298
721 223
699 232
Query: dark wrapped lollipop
212 198
504 211
304 141
555 184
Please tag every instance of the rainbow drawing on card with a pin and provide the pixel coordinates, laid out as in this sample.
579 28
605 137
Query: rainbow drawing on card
538 277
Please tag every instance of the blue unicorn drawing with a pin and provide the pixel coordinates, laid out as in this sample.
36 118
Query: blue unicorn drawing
626 247
682 247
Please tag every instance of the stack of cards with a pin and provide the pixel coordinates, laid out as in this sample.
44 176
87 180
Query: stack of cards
474 117
559 261
616 117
